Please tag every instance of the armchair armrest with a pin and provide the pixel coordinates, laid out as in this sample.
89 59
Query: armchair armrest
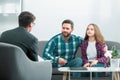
38 70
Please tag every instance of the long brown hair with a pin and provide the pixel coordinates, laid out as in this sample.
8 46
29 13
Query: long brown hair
98 36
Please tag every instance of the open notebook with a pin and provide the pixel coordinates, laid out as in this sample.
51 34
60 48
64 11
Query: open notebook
78 68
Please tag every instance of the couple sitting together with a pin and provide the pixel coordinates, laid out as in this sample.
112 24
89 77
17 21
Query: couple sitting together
61 48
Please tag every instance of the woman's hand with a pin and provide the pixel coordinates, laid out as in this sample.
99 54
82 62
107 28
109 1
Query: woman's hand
94 63
86 65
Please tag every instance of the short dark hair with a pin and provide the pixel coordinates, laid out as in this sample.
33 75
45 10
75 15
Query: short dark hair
68 21
25 18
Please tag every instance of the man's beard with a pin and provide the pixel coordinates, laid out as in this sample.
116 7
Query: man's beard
66 34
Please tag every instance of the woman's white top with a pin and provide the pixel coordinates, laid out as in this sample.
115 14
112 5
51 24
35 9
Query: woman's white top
91 51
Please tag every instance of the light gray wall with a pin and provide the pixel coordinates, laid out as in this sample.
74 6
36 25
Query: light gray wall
51 13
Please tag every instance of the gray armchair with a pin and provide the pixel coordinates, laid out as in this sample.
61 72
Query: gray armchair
14 65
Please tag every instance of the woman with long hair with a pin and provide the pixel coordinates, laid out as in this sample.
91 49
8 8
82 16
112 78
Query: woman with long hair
93 48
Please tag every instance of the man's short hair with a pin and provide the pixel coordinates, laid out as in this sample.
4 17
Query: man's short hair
69 22
25 18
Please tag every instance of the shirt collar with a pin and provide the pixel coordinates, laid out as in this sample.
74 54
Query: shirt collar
68 39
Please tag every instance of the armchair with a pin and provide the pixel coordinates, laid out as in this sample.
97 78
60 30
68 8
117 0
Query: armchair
14 65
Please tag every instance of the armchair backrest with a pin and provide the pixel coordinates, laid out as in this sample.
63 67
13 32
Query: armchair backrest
15 65
8 62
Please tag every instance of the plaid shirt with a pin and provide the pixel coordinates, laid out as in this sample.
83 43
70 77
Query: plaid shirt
57 47
100 52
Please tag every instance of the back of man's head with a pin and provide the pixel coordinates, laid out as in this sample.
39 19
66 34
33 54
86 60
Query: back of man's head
25 18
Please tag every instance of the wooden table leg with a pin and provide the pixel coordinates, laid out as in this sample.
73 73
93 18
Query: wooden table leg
65 76
116 76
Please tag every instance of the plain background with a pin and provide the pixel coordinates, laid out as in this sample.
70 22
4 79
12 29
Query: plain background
51 13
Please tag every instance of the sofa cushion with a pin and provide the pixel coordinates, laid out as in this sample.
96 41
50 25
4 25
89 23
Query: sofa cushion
55 71
110 45
41 46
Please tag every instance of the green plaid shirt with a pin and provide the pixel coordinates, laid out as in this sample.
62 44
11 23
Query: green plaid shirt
57 47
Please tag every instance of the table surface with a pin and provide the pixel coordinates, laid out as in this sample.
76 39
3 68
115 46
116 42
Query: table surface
91 69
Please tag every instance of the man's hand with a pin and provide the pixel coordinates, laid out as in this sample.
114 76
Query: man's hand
62 61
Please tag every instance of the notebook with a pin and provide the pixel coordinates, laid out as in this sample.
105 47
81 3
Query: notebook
78 68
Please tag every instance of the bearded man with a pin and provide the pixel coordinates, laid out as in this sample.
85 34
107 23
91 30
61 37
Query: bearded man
61 48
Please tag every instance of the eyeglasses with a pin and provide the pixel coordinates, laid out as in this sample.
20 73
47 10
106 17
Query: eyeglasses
33 24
